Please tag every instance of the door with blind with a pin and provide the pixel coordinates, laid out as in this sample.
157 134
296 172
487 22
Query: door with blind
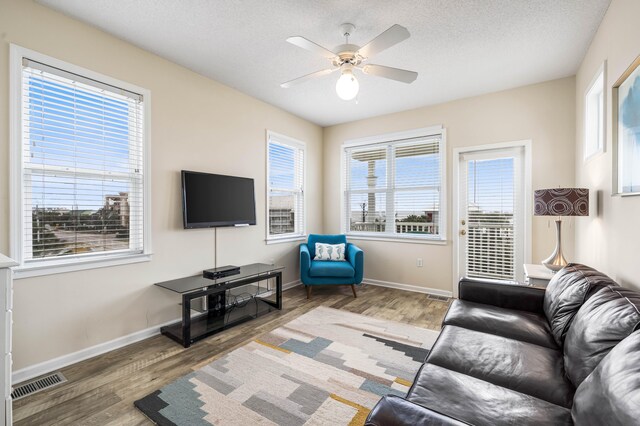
491 221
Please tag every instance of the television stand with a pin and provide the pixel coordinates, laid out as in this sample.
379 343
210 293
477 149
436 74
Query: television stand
231 300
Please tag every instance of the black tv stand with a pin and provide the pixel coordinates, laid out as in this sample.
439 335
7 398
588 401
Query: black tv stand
231 300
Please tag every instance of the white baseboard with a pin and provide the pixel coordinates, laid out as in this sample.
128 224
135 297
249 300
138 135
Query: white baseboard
291 284
54 364
408 287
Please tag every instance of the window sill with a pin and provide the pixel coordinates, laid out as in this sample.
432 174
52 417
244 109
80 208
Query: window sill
410 240
286 239
62 266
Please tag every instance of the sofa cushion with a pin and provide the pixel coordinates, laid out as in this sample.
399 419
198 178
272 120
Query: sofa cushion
328 268
611 394
325 239
567 291
520 366
479 402
602 322
520 325
393 410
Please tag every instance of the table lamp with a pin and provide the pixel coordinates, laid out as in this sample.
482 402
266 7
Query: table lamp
560 202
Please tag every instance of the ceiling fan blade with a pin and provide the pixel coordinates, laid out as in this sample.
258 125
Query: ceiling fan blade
394 35
311 46
391 73
307 77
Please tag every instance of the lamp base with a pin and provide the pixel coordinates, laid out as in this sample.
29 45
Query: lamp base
556 261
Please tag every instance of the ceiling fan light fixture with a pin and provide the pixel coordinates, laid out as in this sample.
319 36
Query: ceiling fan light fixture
347 85
348 56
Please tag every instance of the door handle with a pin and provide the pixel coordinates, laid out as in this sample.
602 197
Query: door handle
463 232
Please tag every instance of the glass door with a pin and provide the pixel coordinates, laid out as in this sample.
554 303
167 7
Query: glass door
491 225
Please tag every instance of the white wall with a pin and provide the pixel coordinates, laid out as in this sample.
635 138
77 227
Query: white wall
608 239
543 113
197 124
200 124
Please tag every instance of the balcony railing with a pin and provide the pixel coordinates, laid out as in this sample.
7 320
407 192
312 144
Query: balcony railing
401 227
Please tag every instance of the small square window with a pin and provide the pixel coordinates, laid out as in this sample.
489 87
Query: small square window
594 121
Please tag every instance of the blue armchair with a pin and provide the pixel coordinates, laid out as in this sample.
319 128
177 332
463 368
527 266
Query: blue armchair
328 272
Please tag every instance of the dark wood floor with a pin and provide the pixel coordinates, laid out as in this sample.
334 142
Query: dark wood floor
101 390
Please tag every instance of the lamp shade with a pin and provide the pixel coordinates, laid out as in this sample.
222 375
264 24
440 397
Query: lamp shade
561 202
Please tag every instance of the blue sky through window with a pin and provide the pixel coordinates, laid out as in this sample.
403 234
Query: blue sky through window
75 129
491 185
282 166
411 171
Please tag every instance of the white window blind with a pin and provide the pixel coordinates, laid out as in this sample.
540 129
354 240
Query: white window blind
394 188
492 207
285 187
82 166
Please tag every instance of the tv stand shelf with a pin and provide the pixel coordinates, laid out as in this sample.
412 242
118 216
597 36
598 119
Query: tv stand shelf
230 301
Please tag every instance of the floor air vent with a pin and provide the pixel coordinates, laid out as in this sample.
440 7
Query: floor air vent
38 385
440 298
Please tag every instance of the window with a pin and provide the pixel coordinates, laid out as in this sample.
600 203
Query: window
393 186
594 116
285 188
79 165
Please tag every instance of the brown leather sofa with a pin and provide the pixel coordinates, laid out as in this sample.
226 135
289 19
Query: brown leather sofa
518 355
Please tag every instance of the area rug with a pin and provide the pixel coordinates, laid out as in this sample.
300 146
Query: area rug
326 367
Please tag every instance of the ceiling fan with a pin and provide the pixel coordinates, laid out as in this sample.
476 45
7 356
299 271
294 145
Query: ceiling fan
348 57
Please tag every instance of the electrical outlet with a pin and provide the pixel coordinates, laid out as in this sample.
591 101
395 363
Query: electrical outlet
419 262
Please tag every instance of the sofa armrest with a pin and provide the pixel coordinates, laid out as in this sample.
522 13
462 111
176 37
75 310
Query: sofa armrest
509 296
355 256
305 263
396 411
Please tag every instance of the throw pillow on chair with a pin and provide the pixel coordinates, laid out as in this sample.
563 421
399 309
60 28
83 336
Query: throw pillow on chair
330 252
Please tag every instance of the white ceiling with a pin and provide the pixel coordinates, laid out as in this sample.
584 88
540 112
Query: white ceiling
459 48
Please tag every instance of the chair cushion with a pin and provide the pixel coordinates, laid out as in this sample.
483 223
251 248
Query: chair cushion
611 394
325 239
479 402
524 367
602 322
520 325
328 268
567 291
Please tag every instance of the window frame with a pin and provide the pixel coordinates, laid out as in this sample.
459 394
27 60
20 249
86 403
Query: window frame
588 152
289 142
385 139
54 265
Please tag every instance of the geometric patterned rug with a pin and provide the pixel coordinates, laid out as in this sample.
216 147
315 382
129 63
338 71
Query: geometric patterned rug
326 367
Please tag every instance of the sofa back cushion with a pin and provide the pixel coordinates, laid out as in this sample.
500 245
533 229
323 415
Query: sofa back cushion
567 291
611 394
325 239
602 322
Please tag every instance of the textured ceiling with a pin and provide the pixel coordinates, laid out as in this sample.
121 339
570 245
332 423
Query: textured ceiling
459 48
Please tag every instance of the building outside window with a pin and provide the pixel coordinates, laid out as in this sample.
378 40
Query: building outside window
79 165
393 186
285 188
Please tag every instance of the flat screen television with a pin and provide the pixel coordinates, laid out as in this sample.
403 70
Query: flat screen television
210 200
